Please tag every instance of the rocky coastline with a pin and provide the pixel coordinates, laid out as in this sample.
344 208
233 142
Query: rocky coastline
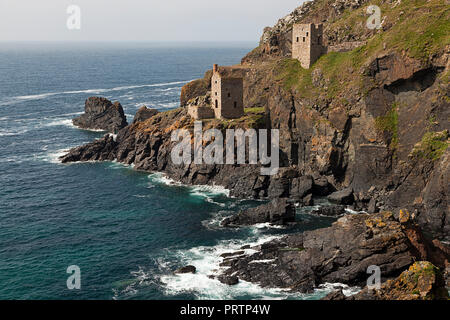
377 145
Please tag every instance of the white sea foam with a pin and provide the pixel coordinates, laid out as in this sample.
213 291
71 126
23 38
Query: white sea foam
161 178
263 261
93 130
60 122
53 156
15 132
208 191
95 91
329 287
14 159
113 135
119 165
169 89
217 217
207 260
268 225
353 211
205 191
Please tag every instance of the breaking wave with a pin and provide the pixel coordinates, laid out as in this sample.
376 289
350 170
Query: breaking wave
41 96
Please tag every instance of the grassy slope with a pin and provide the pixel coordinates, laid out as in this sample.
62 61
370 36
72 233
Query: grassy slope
417 27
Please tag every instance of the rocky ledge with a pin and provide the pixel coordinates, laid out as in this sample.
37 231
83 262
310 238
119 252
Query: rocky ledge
278 212
101 114
422 281
341 253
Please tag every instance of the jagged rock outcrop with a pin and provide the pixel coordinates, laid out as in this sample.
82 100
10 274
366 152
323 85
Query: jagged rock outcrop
144 113
422 281
101 114
341 253
103 149
344 196
278 211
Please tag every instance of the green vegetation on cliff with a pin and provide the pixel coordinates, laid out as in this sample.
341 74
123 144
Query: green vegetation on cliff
420 38
432 146
388 124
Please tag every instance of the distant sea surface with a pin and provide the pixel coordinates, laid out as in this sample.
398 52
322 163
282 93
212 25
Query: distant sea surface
126 230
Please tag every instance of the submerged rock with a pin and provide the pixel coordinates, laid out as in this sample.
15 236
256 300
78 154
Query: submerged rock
278 211
101 114
186 269
332 211
229 280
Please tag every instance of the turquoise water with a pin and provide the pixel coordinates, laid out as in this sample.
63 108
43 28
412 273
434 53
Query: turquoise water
126 230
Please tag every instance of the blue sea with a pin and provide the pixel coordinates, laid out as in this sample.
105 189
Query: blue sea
126 230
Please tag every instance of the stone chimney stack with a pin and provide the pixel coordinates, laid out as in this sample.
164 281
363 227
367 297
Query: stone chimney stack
215 66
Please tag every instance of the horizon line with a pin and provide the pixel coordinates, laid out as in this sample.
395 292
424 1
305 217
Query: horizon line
132 41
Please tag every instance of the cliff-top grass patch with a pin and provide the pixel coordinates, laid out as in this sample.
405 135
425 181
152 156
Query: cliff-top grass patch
424 35
256 110
338 69
294 77
420 37
432 146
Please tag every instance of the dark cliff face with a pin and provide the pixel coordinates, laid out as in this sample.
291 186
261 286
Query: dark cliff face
373 119
367 141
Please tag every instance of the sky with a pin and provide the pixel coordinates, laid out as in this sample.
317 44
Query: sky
140 20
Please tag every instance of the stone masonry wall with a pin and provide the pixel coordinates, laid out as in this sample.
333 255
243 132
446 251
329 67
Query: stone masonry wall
307 43
232 98
227 97
199 113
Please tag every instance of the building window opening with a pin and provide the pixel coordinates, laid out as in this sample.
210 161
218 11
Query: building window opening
303 39
298 39
235 104
217 103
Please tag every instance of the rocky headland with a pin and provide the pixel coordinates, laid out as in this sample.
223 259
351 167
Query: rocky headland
366 126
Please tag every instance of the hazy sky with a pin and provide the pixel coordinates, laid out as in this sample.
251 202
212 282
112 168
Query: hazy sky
141 20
